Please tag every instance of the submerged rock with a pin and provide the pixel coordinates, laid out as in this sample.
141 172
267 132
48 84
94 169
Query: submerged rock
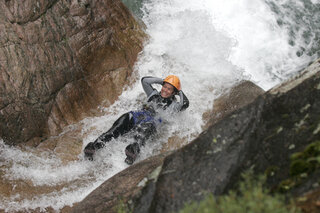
262 135
59 60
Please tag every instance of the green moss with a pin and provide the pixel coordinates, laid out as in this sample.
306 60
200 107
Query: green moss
285 116
271 170
122 207
305 161
312 150
296 156
286 185
251 197
302 164
214 140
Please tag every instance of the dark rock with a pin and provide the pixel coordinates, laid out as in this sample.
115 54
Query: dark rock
235 98
122 187
60 59
239 96
309 202
262 135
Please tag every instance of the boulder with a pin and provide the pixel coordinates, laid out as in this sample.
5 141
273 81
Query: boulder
59 60
263 135
122 187
237 97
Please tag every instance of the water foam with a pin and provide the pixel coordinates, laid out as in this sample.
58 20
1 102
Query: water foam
263 49
210 45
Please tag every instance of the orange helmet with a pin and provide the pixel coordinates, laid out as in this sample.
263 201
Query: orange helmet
174 81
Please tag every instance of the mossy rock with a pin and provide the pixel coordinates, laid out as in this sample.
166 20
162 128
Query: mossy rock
271 170
296 156
286 185
306 161
312 150
300 166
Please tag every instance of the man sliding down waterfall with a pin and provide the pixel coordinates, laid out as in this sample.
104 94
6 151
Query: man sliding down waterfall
143 123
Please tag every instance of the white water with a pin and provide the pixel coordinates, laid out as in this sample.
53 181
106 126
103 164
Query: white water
210 45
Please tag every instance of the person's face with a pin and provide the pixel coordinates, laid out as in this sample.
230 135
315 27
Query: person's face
167 90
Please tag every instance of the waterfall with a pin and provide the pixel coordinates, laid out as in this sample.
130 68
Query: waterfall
211 45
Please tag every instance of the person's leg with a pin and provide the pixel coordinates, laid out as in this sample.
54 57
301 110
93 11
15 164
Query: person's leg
121 126
142 133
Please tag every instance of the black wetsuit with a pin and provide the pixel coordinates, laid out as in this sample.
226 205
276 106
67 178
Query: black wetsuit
142 123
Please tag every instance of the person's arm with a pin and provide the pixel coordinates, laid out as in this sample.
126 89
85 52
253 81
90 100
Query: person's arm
182 104
147 84
184 101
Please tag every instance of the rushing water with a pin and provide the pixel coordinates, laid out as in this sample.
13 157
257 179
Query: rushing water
210 45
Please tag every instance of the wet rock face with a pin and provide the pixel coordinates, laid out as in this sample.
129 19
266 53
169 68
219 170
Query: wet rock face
108 197
262 135
60 59
239 96
122 186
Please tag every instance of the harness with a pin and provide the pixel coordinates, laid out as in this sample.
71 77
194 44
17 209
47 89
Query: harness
161 102
143 116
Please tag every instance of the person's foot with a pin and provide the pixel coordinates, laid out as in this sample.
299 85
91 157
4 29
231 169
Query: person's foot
88 155
131 157
129 160
89 151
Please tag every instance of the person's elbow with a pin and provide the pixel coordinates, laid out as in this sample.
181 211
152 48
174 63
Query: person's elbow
184 106
143 80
